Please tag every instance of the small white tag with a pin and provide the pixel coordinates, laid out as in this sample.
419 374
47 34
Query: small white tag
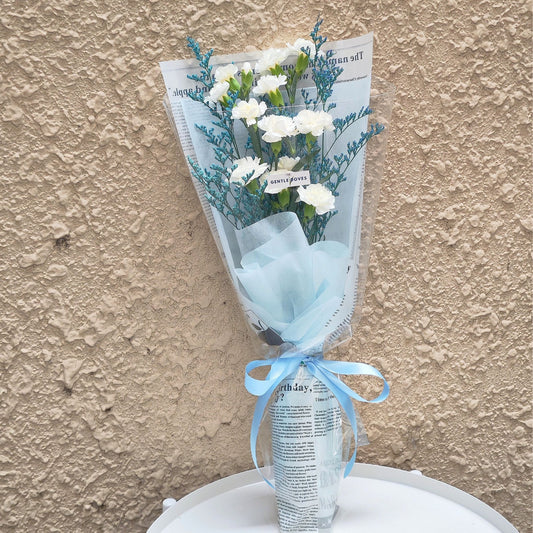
281 179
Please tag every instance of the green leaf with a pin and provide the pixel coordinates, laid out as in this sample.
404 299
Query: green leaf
284 198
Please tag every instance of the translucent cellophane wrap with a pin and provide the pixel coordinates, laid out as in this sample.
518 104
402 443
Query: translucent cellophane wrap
304 298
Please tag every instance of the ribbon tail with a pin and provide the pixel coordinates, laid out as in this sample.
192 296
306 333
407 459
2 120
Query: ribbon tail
354 369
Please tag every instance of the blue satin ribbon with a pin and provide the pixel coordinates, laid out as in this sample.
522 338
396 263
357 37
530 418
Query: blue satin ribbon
325 371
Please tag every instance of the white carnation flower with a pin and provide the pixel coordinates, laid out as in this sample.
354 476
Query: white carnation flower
296 48
276 127
314 122
287 163
318 196
246 166
268 84
225 73
218 92
249 111
270 58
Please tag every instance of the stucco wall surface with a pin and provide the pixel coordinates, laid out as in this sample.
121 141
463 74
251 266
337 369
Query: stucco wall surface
122 346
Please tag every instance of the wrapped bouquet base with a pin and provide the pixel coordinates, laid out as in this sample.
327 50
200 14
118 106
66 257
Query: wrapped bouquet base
277 153
310 438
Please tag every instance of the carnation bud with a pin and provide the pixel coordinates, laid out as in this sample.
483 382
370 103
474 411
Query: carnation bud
276 70
276 98
301 63
234 85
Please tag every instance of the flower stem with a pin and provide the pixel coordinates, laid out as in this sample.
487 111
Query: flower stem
256 141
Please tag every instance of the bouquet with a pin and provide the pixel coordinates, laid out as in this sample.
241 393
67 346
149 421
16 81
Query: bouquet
277 154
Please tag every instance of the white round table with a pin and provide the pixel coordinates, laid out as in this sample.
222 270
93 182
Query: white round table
373 499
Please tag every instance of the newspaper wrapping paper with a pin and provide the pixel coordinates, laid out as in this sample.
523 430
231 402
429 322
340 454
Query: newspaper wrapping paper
294 293
307 448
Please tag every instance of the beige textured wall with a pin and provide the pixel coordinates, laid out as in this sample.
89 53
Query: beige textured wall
122 346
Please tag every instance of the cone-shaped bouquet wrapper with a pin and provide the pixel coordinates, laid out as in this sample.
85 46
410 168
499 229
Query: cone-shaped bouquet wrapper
297 256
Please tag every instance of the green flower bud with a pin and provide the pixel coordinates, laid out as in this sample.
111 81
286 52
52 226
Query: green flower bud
234 85
276 70
276 98
301 63
247 79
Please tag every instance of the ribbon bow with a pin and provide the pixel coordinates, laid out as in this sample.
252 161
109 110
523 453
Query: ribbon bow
324 371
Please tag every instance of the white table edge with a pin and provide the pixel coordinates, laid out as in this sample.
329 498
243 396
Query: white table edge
361 470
